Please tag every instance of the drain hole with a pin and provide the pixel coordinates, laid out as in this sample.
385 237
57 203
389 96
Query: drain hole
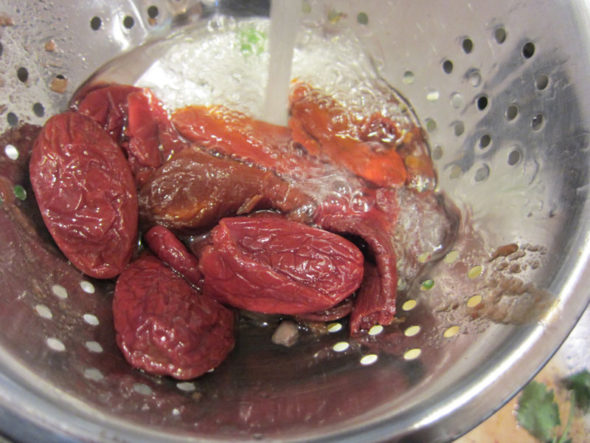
482 173
456 100
59 84
408 78
38 109
455 172
474 77
95 23
432 95
12 119
128 22
511 112
447 66
482 102
11 152
537 122
500 35
485 141
528 50
467 45
437 152
362 18
514 157
152 11
541 81
459 128
430 125
22 74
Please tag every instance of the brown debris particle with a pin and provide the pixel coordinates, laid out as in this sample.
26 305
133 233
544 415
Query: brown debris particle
6 20
50 46
504 251
59 84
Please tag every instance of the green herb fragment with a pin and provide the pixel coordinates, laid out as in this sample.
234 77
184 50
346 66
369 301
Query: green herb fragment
306 7
427 284
335 16
20 192
362 18
538 412
580 384
252 41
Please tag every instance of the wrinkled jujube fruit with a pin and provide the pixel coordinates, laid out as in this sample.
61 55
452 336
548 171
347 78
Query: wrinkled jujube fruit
107 105
168 248
86 194
195 189
164 326
275 266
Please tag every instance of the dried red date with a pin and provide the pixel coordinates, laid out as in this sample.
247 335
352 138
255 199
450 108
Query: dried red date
86 194
166 327
107 105
152 138
276 266
170 250
337 312
195 189
136 120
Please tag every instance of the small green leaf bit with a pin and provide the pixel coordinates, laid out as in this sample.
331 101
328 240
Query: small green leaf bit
538 412
580 384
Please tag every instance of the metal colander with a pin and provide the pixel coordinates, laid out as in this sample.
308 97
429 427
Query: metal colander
500 88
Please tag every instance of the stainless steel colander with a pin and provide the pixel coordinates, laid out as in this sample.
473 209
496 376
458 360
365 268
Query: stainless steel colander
501 88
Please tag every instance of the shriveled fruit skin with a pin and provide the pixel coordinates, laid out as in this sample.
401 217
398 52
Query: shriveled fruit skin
164 326
86 194
107 105
276 266
195 189
168 248
136 120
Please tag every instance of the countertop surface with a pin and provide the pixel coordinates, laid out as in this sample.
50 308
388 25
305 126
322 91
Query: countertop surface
573 356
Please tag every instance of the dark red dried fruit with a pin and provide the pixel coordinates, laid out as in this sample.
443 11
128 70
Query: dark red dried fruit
222 130
152 138
327 131
195 189
164 326
340 201
337 312
86 194
107 105
170 250
136 120
276 266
